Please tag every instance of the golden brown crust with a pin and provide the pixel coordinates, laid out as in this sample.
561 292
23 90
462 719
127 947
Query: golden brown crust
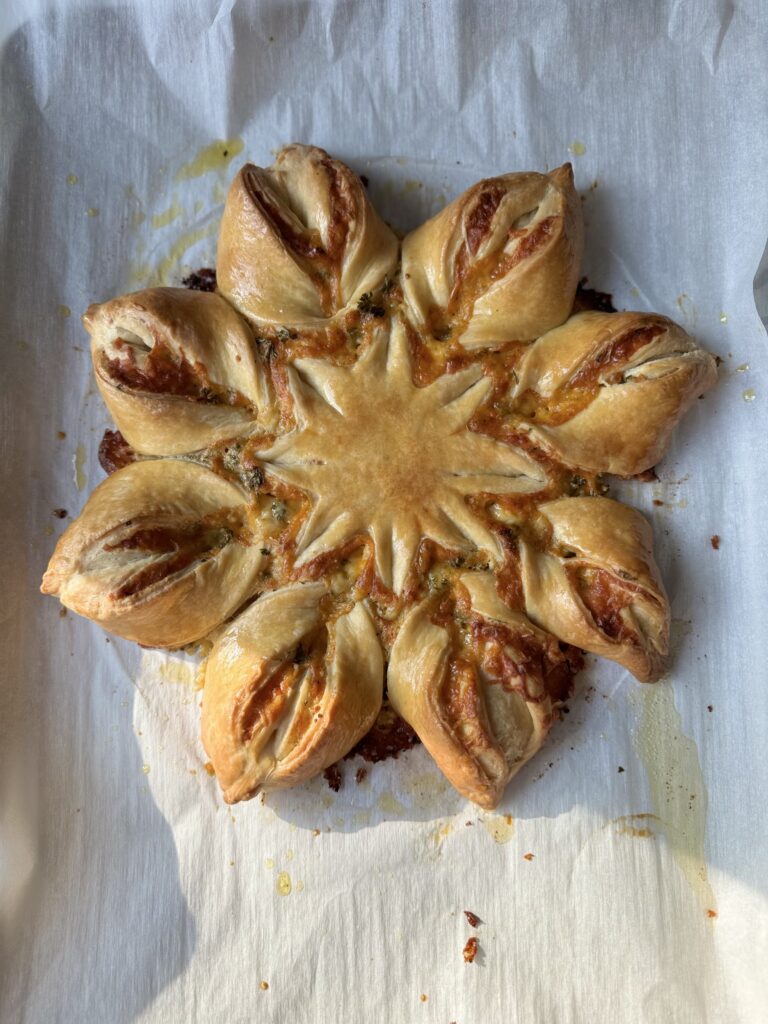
605 390
381 478
299 241
161 554
597 585
484 708
176 369
286 695
500 263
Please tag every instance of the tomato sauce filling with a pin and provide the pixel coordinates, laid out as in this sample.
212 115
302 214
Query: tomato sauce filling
164 372
606 599
181 545
320 261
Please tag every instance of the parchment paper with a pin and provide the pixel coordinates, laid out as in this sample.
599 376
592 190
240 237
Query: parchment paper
624 877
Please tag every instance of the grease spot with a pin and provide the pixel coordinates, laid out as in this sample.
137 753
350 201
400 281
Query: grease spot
283 884
742 368
92 211
427 790
215 157
626 825
72 179
436 837
675 781
79 461
577 148
389 803
181 672
686 307
749 395
64 311
500 828
160 220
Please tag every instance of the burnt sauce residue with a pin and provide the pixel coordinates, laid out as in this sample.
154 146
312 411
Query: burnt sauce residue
591 299
115 452
389 736
202 280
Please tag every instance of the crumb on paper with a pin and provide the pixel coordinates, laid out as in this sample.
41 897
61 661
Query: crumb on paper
620 770
470 950
714 540
710 708
723 318
360 774
749 395
423 997
332 776
473 919
528 856
209 768
711 913
145 769
658 502
60 513
264 985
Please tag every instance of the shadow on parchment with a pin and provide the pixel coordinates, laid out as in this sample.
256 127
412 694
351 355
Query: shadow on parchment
98 929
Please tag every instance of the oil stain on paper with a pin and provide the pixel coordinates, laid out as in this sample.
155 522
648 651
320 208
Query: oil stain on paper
676 784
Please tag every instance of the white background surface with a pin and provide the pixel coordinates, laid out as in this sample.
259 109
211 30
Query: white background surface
134 895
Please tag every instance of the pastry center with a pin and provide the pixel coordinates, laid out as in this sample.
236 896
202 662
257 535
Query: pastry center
377 454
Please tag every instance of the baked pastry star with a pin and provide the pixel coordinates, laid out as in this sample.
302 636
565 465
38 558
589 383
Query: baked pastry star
362 462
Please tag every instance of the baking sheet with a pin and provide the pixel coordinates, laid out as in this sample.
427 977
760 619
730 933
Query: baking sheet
129 892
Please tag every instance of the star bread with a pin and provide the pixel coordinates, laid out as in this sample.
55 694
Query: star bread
369 472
